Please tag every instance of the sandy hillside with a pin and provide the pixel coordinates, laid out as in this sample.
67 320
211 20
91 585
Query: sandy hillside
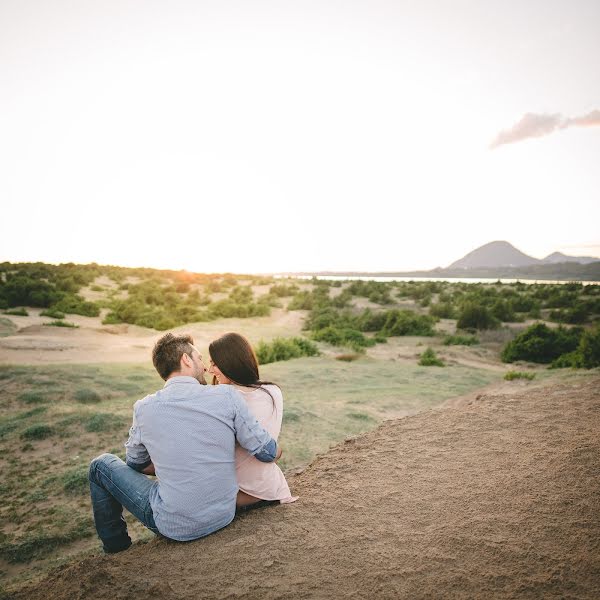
33 342
493 498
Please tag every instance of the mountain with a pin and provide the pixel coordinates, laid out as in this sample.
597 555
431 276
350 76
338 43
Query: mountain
494 254
503 254
559 257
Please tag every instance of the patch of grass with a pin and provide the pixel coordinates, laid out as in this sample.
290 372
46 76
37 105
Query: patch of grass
7 327
10 423
18 312
358 416
32 397
39 431
87 396
511 375
104 422
52 313
39 545
430 359
460 340
75 482
61 324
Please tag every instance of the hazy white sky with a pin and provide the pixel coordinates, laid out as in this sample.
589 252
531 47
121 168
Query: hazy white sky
255 136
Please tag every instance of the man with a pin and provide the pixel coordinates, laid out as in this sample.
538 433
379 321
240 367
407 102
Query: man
185 435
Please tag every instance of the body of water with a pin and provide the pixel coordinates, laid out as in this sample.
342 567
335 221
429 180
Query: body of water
448 279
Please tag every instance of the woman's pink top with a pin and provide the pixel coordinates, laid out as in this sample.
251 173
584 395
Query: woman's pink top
259 479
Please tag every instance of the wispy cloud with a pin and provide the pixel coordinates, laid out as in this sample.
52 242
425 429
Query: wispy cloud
533 125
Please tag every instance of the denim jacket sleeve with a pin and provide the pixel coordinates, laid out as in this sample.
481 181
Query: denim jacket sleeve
249 433
136 455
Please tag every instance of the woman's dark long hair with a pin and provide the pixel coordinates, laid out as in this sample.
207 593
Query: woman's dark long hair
235 358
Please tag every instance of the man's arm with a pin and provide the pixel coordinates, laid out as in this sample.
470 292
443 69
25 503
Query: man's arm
136 455
250 434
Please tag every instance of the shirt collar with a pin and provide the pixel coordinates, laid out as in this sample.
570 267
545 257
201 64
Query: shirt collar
181 379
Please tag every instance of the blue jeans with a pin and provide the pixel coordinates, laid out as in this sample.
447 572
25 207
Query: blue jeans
114 485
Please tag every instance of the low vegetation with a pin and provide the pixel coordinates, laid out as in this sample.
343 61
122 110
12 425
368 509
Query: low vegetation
430 359
512 375
284 349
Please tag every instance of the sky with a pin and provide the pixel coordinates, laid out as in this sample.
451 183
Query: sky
268 136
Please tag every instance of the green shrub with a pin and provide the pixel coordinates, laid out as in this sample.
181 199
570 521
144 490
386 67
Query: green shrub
476 316
585 356
39 431
538 343
281 290
87 396
442 310
18 312
511 375
407 322
74 304
344 336
284 349
430 359
460 340
52 313
61 324
573 316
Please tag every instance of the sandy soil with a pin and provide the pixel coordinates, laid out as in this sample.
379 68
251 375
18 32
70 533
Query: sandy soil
496 496
92 342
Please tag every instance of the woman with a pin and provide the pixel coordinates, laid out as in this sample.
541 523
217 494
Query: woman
233 362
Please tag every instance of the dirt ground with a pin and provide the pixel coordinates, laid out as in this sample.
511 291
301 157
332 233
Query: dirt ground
92 342
496 496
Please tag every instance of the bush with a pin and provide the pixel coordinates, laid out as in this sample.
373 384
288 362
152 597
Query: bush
406 322
39 431
585 356
52 313
442 310
460 340
430 359
73 304
476 316
344 336
17 312
284 349
511 375
87 396
61 324
541 344
281 290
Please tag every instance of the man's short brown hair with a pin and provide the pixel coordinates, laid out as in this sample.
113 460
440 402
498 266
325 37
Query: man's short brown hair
167 352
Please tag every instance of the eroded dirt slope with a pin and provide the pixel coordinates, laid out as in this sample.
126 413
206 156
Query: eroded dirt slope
498 497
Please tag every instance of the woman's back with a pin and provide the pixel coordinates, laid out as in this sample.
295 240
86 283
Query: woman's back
262 480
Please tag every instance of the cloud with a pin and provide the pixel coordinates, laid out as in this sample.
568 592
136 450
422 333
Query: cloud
534 125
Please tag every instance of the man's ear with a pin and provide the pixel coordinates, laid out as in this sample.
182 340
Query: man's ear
186 361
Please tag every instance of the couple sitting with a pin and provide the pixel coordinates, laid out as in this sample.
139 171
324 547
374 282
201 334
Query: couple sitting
186 434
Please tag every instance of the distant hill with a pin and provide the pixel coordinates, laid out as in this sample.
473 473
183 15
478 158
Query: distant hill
559 257
494 254
502 254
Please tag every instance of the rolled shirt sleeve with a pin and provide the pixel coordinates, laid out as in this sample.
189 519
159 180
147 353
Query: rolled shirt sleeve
250 434
137 457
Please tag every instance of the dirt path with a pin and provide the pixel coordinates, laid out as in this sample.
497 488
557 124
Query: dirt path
497 497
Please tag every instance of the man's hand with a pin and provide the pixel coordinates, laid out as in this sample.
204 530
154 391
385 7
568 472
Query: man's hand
149 470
